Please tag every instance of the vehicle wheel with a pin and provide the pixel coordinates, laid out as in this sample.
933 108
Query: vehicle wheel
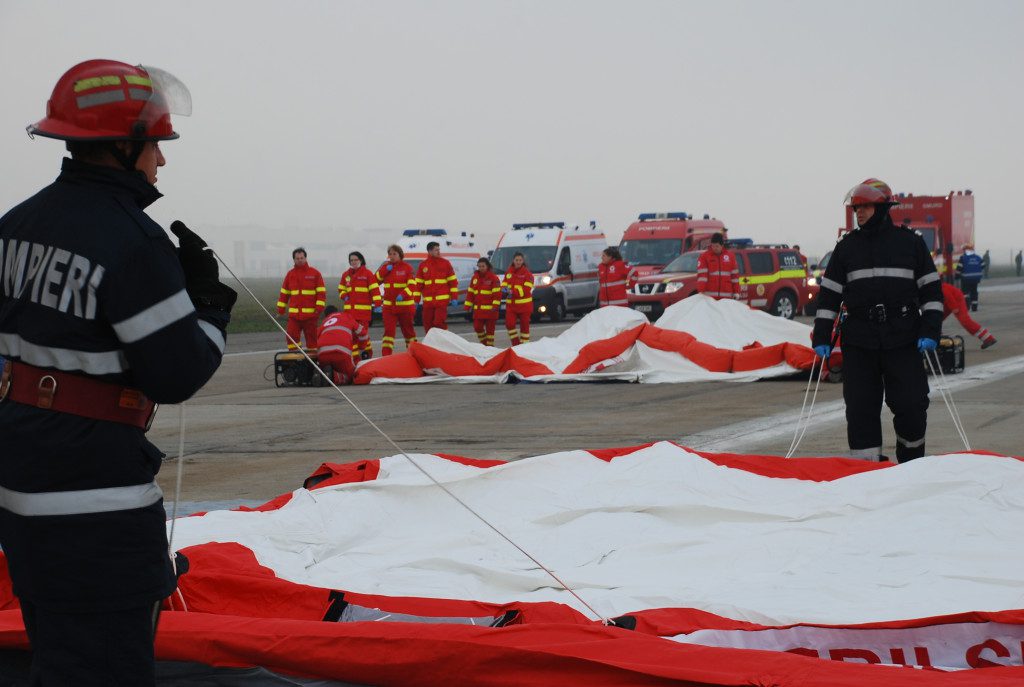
558 310
784 305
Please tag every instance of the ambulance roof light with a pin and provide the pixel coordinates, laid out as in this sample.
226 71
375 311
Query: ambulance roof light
539 225
424 232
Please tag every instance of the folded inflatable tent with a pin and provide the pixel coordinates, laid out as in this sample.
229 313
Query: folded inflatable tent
685 568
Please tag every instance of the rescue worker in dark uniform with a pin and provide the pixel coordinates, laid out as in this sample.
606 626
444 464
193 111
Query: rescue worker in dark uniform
100 318
886 278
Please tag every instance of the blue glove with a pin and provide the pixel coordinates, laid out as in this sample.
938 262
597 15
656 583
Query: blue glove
390 267
378 309
823 351
506 292
924 344
400 298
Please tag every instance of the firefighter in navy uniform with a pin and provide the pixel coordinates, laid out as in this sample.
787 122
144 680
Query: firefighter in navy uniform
100 317
885 276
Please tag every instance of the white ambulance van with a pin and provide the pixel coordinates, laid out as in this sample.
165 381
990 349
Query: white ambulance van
460 251
563 261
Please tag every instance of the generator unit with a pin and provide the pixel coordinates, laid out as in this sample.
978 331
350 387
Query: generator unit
293 369
950 353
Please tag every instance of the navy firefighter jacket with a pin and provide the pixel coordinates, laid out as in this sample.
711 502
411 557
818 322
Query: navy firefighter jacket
90 285
882 269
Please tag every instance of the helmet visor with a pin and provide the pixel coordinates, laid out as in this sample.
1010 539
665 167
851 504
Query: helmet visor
164 95
864 194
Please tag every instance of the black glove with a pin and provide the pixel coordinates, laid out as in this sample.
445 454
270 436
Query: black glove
202 277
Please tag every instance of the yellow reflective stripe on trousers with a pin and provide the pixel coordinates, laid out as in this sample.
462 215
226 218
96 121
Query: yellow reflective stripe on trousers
104 500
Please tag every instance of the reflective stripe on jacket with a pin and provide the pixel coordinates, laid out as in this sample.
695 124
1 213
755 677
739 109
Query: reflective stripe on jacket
970 267
718 275
519 282
484 296
358 290
436 281
303 295
339 332
398 279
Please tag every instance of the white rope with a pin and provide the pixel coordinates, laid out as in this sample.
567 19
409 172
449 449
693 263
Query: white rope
803 423
400 450
947 395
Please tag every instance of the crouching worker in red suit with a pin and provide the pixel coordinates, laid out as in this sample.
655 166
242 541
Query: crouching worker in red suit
336 340
955 303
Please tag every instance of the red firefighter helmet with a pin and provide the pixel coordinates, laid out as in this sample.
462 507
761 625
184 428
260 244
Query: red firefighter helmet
105 100
870 191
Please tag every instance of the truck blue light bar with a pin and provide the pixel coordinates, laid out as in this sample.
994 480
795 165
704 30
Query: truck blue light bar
739 243
539 225
424 232
648 216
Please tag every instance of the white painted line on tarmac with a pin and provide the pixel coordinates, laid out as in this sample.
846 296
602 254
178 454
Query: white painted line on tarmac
738 436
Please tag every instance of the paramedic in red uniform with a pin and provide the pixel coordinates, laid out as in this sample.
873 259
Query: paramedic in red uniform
717 272
304 296
517 288
483 300
954 302
399 282
111 319
438 286
338 344
612 274
360 294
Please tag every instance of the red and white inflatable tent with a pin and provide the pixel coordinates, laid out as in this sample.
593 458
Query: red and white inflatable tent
716 569
697 339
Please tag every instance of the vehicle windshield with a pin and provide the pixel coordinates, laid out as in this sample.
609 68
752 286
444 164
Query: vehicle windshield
928 234
823 265
687 262
414 264
650 251
539 259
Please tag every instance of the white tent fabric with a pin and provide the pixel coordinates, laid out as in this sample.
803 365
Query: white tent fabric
728 325
659 528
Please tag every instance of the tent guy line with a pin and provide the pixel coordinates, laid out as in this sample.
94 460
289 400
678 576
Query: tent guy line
740 435
391 441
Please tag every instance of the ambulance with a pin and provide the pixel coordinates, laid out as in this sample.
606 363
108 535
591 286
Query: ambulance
658 238
460 251
563 262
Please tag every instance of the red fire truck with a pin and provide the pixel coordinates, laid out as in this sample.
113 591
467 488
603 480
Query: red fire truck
658 238
945 222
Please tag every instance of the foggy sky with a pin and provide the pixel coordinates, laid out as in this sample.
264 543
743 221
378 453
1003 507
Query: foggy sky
319 120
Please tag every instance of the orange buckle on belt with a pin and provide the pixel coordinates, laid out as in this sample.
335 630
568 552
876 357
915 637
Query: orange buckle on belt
132 398
46 391
5 379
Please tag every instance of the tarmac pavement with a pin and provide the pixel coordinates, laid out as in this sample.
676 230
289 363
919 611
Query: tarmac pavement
246 441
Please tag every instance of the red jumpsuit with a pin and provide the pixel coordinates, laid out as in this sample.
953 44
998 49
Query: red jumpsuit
611 280
399 305
359 293
304 296
483 298
718 275
338 336
955 303
519 303
438 286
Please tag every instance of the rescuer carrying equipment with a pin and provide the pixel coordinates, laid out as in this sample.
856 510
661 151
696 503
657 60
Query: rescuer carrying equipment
885 276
